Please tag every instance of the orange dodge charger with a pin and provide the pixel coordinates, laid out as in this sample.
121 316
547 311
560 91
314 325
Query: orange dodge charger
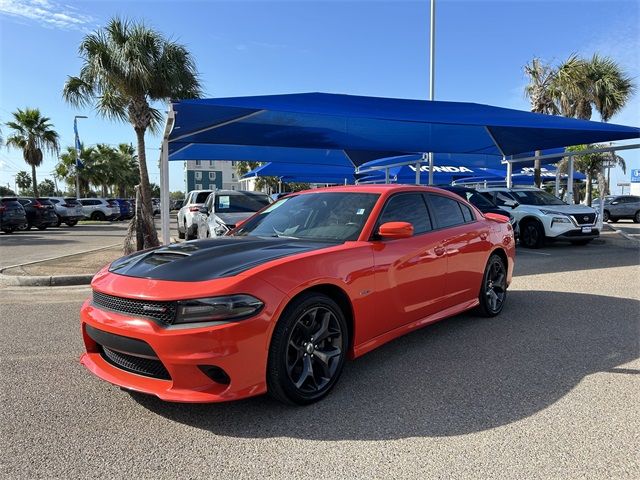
279 303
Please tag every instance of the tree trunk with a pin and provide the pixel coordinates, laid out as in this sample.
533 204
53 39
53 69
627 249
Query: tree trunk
589 187
35 183
536 170
149 228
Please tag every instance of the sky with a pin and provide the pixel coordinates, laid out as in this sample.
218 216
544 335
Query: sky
378 48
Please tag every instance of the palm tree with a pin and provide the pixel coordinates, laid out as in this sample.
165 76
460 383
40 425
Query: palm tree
591 164
23 180
32 133
127 169
542 94
126 67
66 167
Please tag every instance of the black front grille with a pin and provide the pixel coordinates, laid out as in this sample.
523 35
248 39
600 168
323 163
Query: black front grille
584 218
164 312
148 367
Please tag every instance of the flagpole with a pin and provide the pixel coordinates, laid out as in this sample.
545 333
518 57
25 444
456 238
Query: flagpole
78 151
432 67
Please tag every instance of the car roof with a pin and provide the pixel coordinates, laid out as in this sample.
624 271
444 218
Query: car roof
373 188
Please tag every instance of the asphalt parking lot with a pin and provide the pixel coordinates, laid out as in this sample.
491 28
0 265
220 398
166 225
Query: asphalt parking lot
549 389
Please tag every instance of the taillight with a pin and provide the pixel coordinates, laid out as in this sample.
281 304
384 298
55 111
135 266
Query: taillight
38 205
194 209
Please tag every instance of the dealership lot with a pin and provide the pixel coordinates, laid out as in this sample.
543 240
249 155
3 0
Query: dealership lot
547 389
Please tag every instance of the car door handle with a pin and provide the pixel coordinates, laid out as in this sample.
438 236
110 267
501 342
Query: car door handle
439 250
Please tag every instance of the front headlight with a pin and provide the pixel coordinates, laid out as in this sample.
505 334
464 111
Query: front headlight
220 228
232 307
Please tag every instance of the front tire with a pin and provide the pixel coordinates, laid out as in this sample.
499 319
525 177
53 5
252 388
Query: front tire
636 217
605 216
493 292
532 234
98 216
308 350
72 223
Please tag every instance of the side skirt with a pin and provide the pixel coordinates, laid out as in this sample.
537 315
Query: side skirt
369 345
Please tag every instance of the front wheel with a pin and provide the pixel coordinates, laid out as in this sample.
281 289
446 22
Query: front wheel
636 217
605 216
532 234
308 350
72 223
493 292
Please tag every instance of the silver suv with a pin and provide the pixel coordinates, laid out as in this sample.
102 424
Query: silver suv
224 209
187 228
69 210
543 217
100 209
619 207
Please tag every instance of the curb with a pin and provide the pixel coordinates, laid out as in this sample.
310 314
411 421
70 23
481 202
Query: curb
48 280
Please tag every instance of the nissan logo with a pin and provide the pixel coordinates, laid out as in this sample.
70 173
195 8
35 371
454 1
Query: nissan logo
585 218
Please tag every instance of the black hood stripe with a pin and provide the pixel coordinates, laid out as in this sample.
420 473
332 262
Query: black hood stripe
203 260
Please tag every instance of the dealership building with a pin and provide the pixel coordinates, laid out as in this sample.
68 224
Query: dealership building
210 175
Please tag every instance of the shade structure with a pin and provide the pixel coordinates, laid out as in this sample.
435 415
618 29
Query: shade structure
305 173
523 176
371 124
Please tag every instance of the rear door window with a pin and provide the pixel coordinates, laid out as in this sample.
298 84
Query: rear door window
407 207
201 197
448 212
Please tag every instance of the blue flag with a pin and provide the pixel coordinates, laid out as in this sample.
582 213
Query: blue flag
79 163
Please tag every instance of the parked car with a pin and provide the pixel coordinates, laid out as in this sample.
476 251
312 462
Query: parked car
100 209
618 207
485 205
187 228
155 204
543 217
224 209
176 204
40 213
12 215
69 210
126 210
279 305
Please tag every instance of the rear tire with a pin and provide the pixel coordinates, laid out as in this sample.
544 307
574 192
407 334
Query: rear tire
98 216
493 292
531 234
72 223
187 233
308 350
636 217
605 216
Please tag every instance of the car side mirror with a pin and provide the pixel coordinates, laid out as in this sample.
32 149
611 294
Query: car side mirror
615 203
204 210
511 203
393 230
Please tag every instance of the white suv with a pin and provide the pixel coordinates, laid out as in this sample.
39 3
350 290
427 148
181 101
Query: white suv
224 209
100 209
187 228
542 217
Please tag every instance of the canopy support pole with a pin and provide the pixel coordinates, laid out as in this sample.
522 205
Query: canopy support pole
386 175
418 173
509 174
570 200
556 188
164 178
430 168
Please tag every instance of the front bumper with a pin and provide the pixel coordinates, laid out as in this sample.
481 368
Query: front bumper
239 348
578 235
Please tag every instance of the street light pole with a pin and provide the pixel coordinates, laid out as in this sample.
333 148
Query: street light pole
78 151
432 66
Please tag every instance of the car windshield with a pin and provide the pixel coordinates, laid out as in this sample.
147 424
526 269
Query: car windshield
332 216
240 203
475 198
536 197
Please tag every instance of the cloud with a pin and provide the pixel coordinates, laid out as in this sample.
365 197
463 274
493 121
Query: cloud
46 13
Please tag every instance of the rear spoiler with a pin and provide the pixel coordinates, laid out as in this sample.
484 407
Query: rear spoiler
496 217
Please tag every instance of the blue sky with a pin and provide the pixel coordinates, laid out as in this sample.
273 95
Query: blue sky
358 47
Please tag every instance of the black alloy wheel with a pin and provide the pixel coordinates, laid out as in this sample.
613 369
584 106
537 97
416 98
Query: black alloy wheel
308 350
636 217
98 216
494 287
531 234
605 216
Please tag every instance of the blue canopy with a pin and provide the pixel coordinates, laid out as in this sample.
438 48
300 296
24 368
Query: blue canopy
306 173
524 176
355 124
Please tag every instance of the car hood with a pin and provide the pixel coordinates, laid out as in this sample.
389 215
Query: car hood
202 260
567 209
231 219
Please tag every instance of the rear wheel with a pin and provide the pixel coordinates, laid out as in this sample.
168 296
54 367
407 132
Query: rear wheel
636 217
24 227
605 216
72 223
180 232
187 233
308 350
493 292
532 234
99 216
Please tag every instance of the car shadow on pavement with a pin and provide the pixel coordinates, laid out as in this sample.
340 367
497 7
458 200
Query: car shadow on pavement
462 375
